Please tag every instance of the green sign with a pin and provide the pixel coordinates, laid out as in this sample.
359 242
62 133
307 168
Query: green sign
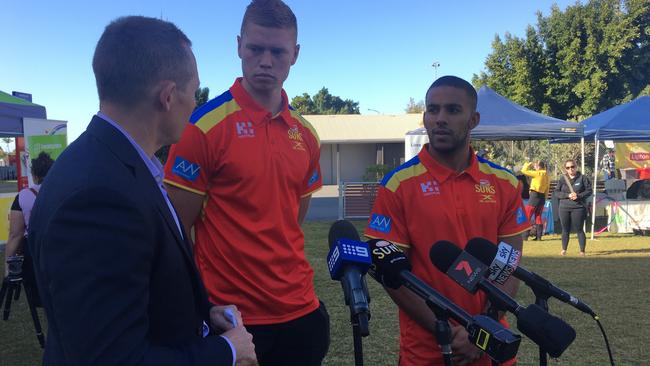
51 144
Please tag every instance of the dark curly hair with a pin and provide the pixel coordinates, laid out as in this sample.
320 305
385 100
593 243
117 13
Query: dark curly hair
40 166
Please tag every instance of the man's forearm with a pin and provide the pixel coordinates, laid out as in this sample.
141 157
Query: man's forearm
414 306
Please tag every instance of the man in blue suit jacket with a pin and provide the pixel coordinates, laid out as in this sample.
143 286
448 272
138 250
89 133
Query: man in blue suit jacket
112 263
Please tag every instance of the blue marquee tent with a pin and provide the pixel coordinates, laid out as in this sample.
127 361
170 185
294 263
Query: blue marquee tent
502 119
626 122
12 112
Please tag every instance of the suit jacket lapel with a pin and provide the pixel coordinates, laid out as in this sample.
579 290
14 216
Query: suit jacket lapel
122 148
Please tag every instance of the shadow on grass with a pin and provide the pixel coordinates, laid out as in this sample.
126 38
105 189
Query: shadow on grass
621 251
616 235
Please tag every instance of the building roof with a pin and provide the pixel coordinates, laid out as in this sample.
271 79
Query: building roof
368 128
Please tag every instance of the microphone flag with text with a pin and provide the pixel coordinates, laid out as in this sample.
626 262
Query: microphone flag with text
503 262
391 268
548 331
348 261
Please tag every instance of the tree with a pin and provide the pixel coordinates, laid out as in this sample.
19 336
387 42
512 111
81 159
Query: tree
7 141
413 107
577 62
304 104
324 103
201 96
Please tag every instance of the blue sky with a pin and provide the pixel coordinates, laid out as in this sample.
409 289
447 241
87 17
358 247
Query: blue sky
376 52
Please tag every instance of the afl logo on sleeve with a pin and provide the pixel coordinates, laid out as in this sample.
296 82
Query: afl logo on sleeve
313 179
380 223
186 169
521 216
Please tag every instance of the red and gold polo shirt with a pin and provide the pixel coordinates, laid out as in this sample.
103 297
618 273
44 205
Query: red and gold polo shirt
253 169
422 202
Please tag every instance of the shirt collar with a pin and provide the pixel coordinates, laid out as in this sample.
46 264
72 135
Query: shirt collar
152 162
441 173
256 111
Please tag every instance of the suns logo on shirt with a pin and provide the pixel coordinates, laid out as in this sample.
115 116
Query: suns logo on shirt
296 137
486 191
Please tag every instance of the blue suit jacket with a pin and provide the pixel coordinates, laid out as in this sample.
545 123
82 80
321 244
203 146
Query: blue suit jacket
117 281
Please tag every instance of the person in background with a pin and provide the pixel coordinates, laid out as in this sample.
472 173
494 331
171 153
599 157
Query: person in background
539 187
21 209
573 191
608 164
242 177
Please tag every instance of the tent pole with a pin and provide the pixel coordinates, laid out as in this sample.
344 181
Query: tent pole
582 153
595 184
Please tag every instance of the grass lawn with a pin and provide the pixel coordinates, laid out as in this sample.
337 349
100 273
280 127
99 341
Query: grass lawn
613 279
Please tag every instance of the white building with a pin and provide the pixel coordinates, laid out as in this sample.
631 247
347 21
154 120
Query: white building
352 142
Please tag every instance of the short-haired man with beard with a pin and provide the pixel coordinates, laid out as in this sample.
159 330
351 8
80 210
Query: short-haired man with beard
447 193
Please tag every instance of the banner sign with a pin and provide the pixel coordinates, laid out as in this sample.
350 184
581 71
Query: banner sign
632 155
41 135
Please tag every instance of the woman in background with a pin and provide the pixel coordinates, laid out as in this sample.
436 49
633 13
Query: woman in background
573 191
22 207
537 195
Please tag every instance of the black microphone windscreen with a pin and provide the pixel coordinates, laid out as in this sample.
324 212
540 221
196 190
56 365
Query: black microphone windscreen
342 229
443 254
388 261
549 332
482 249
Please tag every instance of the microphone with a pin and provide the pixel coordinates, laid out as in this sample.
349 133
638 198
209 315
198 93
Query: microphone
550 332
348 260
470 273
504 262
391 268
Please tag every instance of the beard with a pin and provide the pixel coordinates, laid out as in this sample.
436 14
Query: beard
454 143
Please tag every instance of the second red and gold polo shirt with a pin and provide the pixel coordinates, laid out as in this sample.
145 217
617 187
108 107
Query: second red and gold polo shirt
422 202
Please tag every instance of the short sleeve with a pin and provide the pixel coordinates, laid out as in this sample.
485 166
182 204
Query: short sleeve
513 220
314 180
15 206
188 163
387 219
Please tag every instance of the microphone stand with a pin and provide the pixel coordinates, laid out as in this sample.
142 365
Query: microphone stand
493 312
359 329
541 299
443 331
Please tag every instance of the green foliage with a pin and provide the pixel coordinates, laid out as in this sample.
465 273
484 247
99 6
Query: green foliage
7 141
414 107
202 96
577 62
376 172
324 103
